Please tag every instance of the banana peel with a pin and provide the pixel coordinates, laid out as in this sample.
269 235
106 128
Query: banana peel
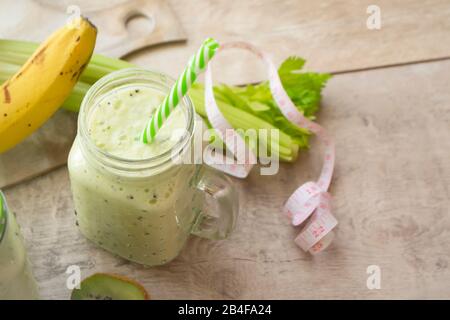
39 88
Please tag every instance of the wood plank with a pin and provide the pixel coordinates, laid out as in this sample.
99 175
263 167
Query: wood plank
391 197
331 34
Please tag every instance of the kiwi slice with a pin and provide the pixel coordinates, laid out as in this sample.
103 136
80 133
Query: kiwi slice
104 286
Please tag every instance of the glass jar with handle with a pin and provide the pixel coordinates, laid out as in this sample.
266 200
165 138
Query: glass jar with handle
135 200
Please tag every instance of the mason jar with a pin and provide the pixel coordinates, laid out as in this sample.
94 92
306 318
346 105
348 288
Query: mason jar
145 209
16 279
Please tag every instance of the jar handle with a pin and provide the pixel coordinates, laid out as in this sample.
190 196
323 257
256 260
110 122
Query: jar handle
217 217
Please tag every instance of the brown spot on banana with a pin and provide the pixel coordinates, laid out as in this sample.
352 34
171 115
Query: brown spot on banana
40 56
84 66
6 94
22 71
81 69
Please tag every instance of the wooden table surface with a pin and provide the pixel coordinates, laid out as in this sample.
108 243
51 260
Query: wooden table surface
391 186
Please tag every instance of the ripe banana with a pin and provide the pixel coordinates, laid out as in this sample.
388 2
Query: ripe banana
40 87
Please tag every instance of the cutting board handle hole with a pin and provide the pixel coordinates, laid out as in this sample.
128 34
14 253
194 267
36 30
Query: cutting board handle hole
139 24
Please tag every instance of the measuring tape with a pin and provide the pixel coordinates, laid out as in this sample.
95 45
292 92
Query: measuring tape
310 204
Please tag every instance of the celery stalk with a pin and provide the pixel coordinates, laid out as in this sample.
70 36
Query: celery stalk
237 117
7 70
240 119
73 102
14 58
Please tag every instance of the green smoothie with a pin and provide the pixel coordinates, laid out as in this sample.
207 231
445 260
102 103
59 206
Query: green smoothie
16 279
144 217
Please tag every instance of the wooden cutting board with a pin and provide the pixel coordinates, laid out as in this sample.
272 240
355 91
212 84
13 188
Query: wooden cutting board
124 27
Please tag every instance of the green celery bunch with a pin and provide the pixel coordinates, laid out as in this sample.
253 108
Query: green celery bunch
245 107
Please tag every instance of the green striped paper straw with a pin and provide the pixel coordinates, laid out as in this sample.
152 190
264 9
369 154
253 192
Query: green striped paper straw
197 64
